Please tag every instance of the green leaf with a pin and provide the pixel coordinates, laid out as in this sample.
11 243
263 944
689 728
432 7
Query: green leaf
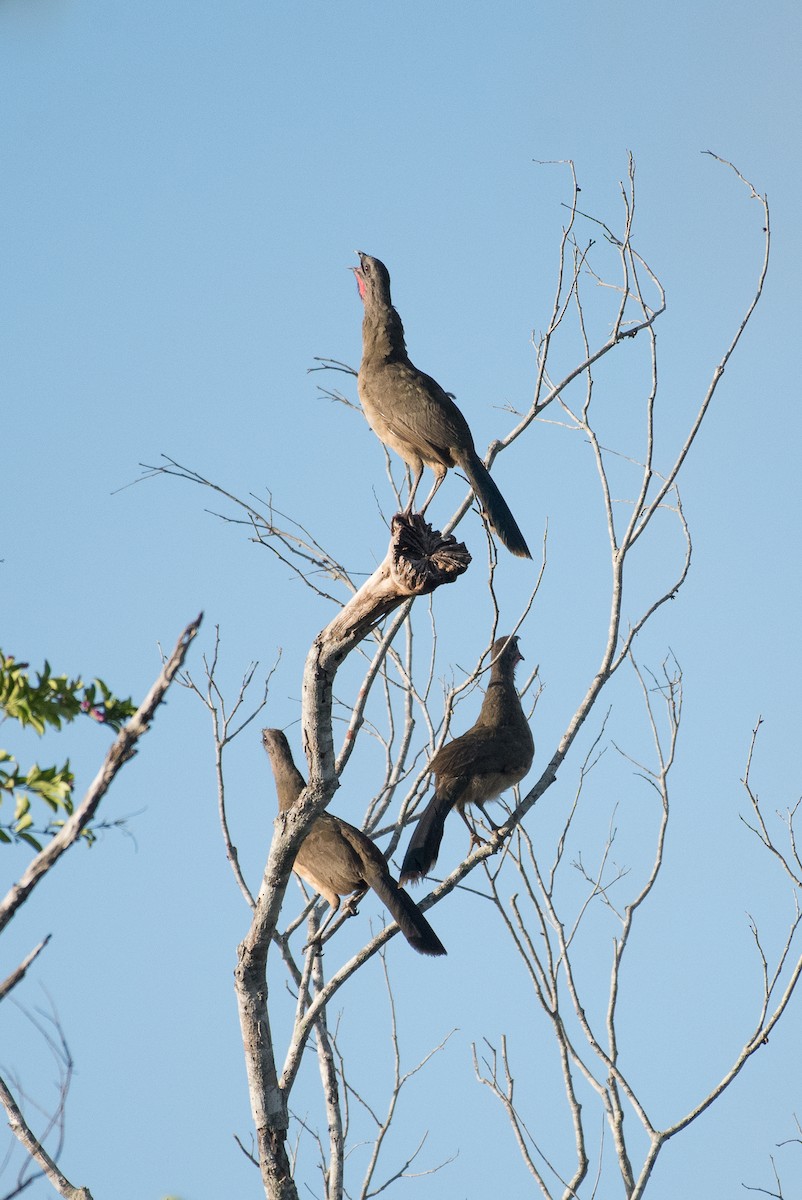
27 837
22 807
45 701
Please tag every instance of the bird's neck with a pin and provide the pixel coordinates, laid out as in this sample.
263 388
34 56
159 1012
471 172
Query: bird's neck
501 699
382 334
289 785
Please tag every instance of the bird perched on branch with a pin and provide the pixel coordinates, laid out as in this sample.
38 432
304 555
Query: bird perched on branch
495 754
410 412
337 859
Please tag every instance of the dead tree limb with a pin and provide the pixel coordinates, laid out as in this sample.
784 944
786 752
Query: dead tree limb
418 561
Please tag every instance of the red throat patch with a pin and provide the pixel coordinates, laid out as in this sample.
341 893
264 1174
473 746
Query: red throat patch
360 282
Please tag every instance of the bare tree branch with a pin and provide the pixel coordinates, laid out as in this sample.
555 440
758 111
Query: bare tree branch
545 936
17 975
122 749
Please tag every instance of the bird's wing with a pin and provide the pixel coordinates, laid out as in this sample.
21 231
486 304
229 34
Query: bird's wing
415 408
482 751
328 861
411 921
364 850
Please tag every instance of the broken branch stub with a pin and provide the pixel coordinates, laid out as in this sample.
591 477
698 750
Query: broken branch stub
418 561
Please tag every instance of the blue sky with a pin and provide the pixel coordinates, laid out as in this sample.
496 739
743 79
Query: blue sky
182 189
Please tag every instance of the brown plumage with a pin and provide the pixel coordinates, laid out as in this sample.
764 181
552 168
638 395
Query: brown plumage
495 754
337 859
410 412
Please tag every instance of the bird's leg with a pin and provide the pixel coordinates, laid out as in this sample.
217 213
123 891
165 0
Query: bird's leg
417 475
317 939
476 839
439 476
346 910
486 816
349 908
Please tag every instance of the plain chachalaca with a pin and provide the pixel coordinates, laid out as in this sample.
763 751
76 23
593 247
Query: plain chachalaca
495 754
337 859
410 412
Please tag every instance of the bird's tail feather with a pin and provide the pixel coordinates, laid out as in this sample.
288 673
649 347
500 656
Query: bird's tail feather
496 508
424 844
409 918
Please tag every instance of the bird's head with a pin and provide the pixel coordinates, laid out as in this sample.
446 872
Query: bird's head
275 743
373 280
506 651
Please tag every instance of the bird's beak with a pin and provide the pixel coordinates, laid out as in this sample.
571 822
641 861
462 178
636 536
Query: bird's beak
358 276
